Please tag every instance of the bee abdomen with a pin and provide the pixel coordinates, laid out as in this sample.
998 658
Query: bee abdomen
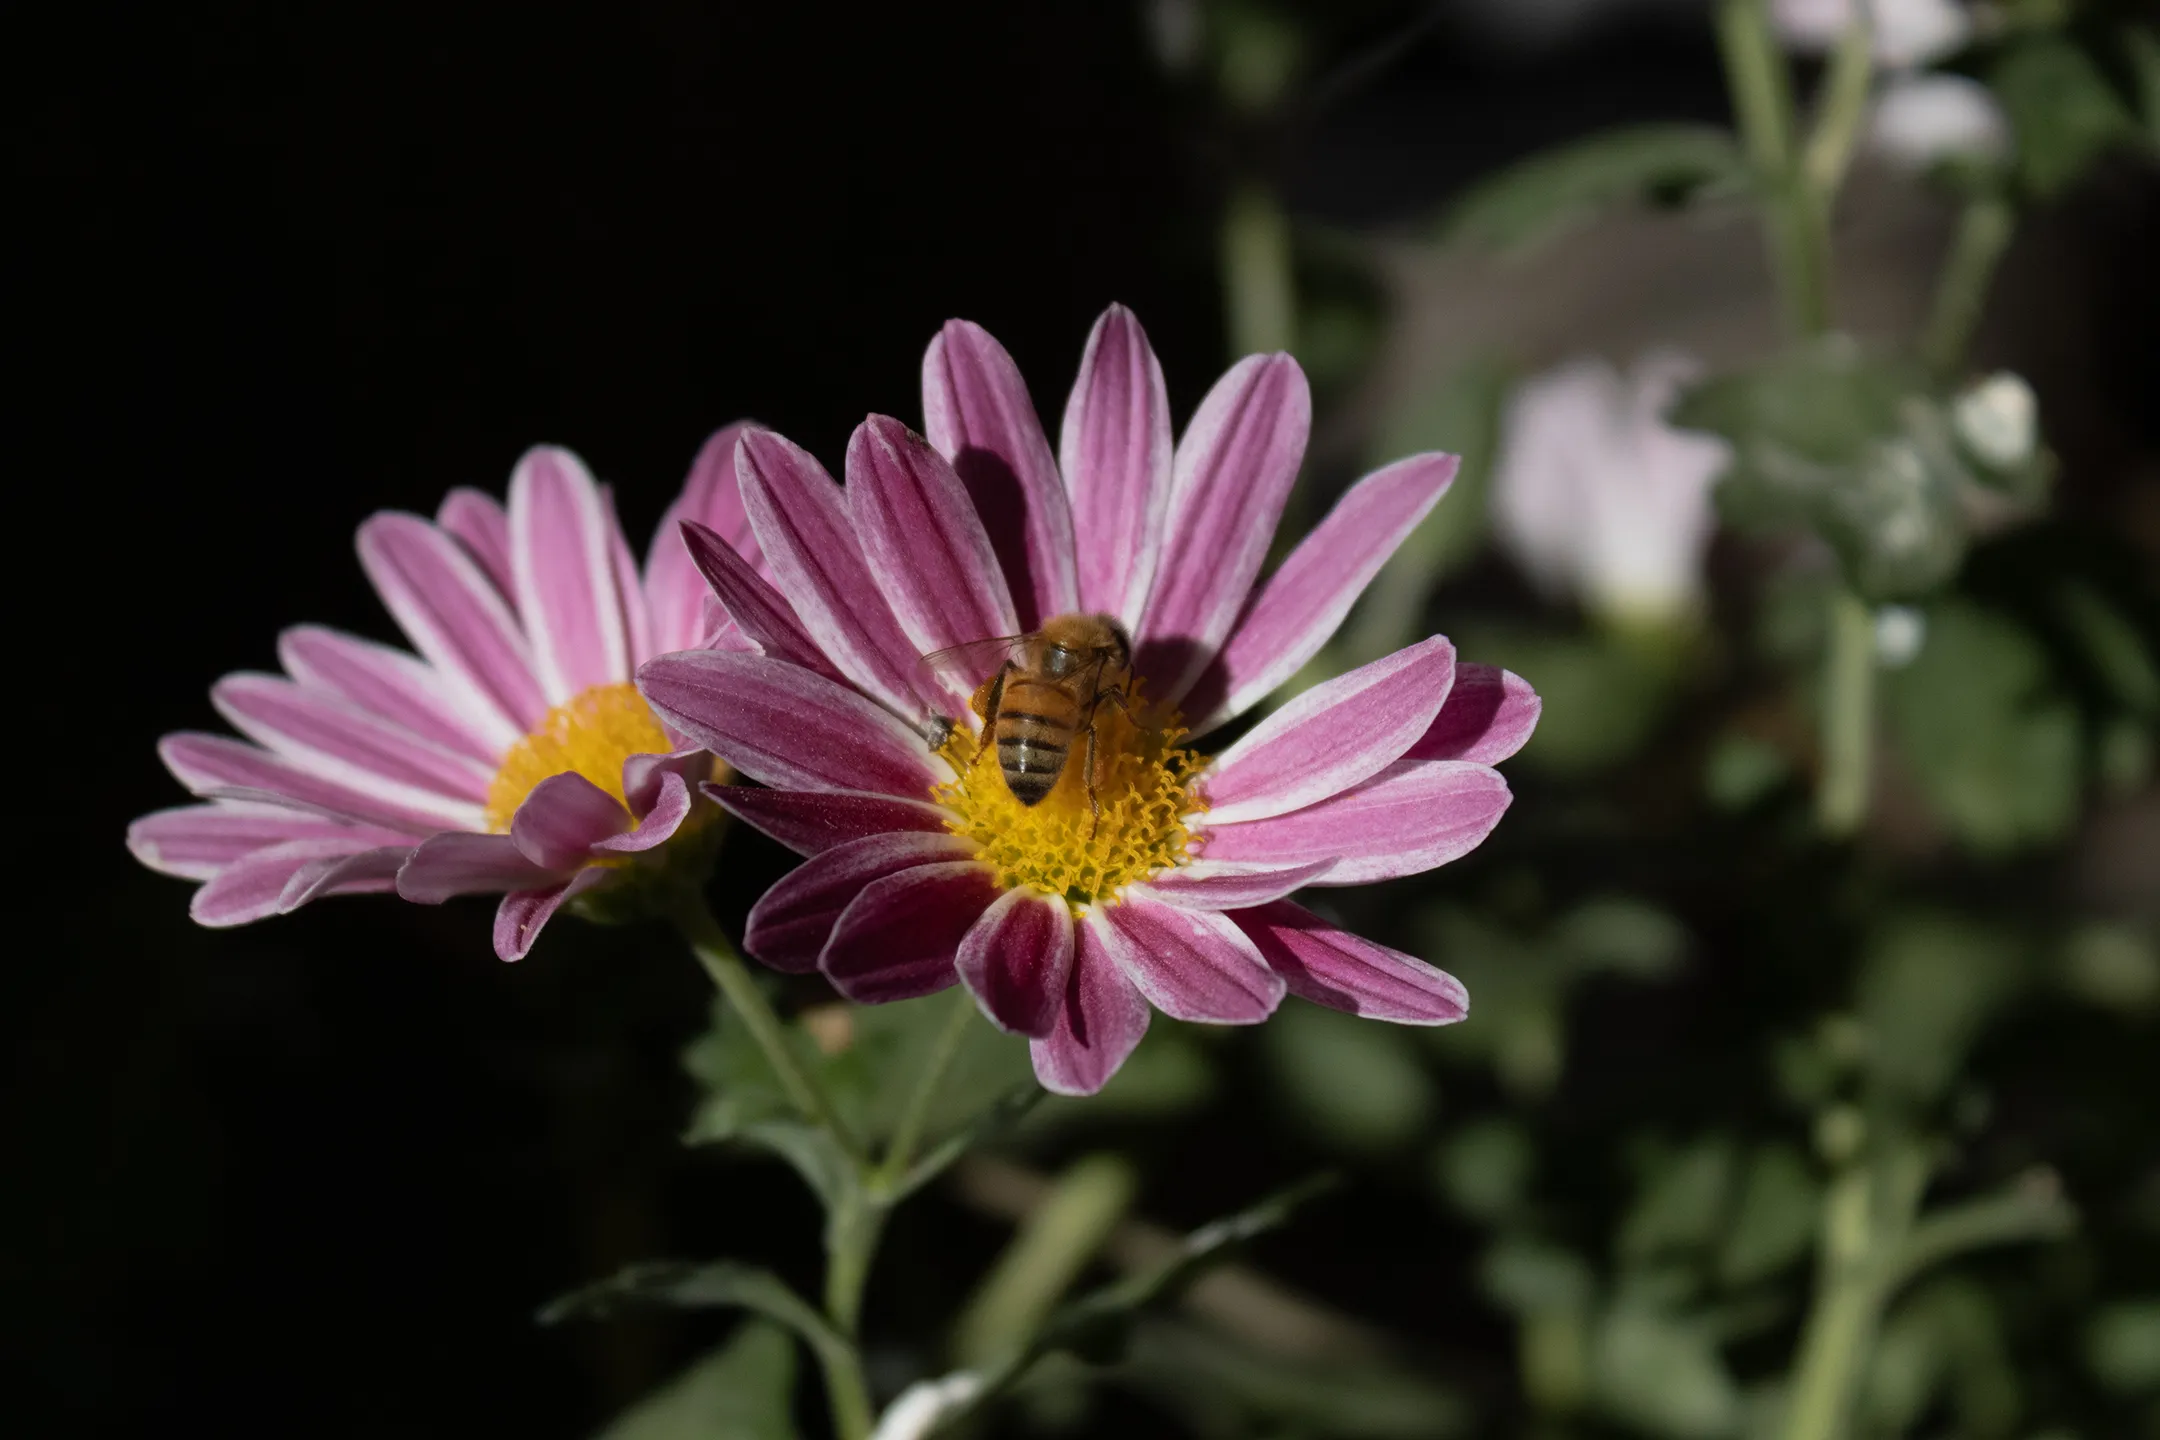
1032 759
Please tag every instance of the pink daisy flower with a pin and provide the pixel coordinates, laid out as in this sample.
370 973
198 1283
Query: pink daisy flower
512 755
1164 882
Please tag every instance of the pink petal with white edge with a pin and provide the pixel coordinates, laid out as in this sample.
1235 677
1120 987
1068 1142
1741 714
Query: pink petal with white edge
1229 478
562 564
195 842
658 825
783 726
1488 717
562 818
1115 449
802 522
1099 1024
395 686
521 914
791 923
711 497
760 612
327 736
371 872
1305 600
1215 885
477 520
976 411
1410 817
1015 960
220 767
252 888
1190 964
923 539
1332 736
810 822
454 616
1348 972
462 863
898 938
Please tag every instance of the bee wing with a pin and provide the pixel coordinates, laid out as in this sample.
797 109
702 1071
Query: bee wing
973 661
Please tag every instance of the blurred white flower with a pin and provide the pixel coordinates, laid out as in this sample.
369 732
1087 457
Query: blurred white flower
1599 498
918 1409
1908 33
1998 421
1922 119
1900 631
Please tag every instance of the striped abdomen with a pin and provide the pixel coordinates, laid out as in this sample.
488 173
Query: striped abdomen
1036 720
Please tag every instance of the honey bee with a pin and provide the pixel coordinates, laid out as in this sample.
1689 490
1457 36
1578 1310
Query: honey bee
1046 693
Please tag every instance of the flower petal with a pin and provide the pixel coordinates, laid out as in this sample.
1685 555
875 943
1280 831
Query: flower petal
1102 1019
802 522
921 536
645 777
1115 451
1348 972
462 863
251 887
781 725
897 939
791 922
319 733
370 872
396 686
454 616
711 497
1332 736
477 520
562 818
521 914
1410 817
657 825
1305 600
1016 958
1488 716
977 413
562 565
1229 478
195 842
760 612
1190 964
810 822
1217 885
220 767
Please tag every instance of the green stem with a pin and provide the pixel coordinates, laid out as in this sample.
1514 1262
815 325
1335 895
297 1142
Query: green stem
1795 221
1844 104
1259 295
852 1232
1848 716
1983 233
907 1135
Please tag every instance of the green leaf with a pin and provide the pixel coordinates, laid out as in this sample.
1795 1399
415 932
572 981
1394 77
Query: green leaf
2117 966
2113 646
2063 110
1528 1277
1621 934
2122 1346
1682 1207
1485 1168
1928 984
1601 699
740 1391
1773 1223
1537 199
1660 1373
1357 1085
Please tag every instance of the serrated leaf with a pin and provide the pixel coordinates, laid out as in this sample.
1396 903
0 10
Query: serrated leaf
740 1391
1536 199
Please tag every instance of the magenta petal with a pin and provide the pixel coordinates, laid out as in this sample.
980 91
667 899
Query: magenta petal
462 863
1488 716
1215 885
1410 817
1229 478
562 562
810 822
324 735
454 616
397 687
194 842
251 887
760 612
1115 451
781 725
371 872
220 767
658 825
898 938
922 538
644 777
791 922
521 914
1191 964
478 522
1332 736
977 413
712 498
562 818
1102 1019
1016 958
802 521
1348 972
1304 601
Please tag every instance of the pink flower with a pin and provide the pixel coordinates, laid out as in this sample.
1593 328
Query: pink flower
924 869
511 756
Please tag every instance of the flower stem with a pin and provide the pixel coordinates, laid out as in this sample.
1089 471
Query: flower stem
908 1133
1848 715
1795 224
1844 103
1983 233
1259 294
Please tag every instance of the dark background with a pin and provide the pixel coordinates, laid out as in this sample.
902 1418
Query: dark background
289 265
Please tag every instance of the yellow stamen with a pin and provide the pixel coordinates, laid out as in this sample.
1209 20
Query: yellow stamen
592 734
1143 783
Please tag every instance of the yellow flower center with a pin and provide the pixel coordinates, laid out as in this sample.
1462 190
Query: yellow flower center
592 734
1061 846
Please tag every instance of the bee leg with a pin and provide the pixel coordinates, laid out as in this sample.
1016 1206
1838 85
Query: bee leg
1094 803
992 696
937 729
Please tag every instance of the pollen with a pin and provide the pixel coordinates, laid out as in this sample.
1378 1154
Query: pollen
591 734
1143 786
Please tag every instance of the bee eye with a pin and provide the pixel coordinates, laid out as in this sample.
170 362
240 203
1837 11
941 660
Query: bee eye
1059 661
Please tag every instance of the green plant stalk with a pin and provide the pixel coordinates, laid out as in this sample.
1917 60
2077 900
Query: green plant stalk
907 1135
1795 220
1848 716
1259 293
1983 234
1844 105
852 1232
1055 1243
